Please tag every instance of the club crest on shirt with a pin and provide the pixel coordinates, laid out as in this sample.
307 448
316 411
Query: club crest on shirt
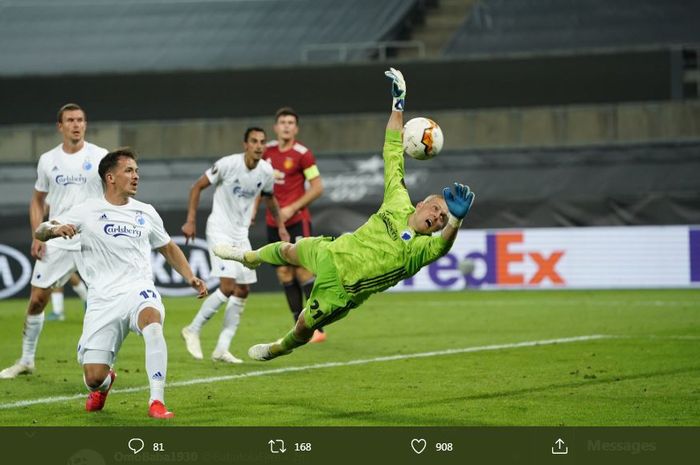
288 163
140 220
407 235
87 166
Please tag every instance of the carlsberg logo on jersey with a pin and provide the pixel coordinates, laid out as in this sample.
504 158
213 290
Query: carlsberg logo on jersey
245 193
64 180
117 230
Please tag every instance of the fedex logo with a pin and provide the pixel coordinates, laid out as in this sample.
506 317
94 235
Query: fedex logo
611 257
500 259
507 260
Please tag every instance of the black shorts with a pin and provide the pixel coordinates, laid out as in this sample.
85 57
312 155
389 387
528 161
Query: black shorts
296 231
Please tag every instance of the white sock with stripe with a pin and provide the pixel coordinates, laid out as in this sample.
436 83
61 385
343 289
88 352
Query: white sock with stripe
156 360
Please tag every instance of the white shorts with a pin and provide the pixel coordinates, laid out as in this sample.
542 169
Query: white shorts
55 268
229 268
108 320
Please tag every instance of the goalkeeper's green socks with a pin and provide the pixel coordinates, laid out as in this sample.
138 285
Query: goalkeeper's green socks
285 345
272 254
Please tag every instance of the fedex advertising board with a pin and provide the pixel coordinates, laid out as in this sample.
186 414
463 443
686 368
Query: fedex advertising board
566 258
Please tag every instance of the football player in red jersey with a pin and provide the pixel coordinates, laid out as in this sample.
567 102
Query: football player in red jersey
294 165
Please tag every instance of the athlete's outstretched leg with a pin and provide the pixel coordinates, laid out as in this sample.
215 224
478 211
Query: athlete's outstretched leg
277 253
297 337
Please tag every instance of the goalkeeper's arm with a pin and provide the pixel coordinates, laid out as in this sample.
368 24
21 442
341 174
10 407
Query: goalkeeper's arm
393 146
398 94
458 203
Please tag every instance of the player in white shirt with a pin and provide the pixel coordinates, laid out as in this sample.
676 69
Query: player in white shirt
66 176
117 235
239 179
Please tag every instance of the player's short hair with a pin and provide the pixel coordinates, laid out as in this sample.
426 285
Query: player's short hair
431 197
252 129
286 111
112 159
68 107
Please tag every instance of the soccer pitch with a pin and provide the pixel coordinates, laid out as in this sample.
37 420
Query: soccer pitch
572 358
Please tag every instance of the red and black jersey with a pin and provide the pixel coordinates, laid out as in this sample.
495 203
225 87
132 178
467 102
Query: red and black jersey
291 169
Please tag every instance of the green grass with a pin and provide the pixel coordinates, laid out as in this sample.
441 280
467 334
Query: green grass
649 374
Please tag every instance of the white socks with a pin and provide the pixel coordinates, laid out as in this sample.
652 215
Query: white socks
81 290
30 337
156 360
208 309
57 302
234 308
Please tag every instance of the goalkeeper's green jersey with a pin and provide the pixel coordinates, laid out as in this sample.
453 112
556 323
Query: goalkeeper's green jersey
385 250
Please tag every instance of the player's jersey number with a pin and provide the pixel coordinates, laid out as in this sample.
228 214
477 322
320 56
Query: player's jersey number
149 294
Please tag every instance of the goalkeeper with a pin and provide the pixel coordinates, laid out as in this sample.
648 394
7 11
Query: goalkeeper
394 244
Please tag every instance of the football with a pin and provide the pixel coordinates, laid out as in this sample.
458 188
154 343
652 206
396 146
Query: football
422 138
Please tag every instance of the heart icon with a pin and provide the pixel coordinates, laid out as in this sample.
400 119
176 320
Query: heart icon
418 445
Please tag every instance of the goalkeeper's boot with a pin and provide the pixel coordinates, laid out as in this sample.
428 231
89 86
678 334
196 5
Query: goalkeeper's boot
158 410
192 343
230 252
263 352
96 399
319 336
19 368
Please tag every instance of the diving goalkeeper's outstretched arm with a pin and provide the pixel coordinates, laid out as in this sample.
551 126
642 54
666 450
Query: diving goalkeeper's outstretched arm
458 203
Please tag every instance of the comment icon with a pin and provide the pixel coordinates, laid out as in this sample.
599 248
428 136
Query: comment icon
135 445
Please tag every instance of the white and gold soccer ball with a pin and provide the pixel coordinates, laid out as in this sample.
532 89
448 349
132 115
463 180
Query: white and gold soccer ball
422 138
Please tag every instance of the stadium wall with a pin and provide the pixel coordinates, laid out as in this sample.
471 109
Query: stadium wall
559 126
592 77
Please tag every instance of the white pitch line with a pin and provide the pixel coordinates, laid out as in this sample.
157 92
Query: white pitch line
276 371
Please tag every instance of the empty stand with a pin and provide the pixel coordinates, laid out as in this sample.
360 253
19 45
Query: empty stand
513 26
124 36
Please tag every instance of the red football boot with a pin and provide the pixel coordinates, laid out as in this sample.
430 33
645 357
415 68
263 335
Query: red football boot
96 399
159 410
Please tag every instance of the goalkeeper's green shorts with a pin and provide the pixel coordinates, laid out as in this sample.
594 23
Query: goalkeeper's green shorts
328 301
